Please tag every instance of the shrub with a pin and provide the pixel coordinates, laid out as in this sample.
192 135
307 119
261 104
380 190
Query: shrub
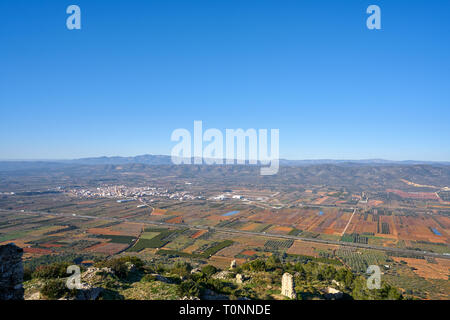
51 271
148 278
118 265
255 265
181 268
188 288
27 273
134 260
209 270
55 289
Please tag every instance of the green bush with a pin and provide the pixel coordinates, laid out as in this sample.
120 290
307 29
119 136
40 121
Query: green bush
118 265
55 289
188 288
27 273
255 265
148 278
51 271
181 268
209 270
134 260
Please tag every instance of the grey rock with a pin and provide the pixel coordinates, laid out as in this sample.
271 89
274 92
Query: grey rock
11 272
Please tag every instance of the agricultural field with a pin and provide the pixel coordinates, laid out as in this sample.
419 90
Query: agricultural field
185 220
160 240
278 244
405 277
309 249
434 268
360 260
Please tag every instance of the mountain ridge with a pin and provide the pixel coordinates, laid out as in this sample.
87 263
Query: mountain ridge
151 159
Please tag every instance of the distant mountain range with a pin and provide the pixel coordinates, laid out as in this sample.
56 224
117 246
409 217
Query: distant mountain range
166 160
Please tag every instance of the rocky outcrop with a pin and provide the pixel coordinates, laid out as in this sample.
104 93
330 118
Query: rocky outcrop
11 272
240 278
333 294
87 292
195 270
221 275
91 275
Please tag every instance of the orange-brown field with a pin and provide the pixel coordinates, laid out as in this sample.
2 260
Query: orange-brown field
412 228
128 228
320 200
51 245
249 252
198 234
309 249
175 220
216 218
280 229
250 226
375 203
158 212
428 270
223 262
359 225
233 250
250 241
400 227
36 250
107 248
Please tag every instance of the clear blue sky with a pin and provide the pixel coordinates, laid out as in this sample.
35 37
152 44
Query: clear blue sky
140 69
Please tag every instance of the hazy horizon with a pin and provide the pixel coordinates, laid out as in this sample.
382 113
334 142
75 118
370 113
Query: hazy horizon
166 155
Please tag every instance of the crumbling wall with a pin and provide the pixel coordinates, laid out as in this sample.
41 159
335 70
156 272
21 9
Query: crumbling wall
287 286
11 272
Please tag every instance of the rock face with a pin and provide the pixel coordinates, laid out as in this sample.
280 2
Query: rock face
333 294
195 270
221 275
11 272
88 292
90 275
287 286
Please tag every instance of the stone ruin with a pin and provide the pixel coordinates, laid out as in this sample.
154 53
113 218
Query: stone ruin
11 272
287 286
233 264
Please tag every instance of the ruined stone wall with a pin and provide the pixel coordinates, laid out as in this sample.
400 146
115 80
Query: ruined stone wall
11 272
287 286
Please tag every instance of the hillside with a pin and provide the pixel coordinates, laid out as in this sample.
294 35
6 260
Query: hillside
131 278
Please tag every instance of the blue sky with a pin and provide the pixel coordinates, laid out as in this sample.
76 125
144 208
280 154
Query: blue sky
137 70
